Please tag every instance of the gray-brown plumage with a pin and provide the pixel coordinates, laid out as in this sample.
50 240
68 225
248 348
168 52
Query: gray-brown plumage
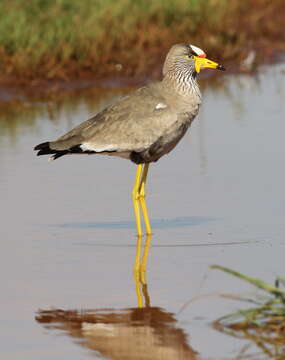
144 125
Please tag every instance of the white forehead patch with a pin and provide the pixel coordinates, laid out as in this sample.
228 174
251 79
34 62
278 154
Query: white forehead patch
197 50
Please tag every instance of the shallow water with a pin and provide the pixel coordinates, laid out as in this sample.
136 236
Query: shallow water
68 232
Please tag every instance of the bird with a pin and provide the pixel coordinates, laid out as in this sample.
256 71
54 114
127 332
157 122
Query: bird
143 125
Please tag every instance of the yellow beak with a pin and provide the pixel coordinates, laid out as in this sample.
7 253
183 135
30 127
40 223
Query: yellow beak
202 63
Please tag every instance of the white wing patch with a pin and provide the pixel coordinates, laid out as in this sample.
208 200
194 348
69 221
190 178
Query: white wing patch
197 50
92 147
160 106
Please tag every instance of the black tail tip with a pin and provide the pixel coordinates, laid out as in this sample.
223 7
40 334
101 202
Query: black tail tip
42 146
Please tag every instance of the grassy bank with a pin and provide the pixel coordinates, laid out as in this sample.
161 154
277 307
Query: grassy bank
67 38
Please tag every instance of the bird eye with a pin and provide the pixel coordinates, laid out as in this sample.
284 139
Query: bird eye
191 57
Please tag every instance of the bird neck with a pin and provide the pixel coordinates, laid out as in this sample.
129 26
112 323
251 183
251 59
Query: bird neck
183 82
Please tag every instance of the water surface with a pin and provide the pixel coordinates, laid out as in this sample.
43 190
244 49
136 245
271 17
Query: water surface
68 233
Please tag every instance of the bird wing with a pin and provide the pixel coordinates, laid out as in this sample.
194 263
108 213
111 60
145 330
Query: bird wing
131 124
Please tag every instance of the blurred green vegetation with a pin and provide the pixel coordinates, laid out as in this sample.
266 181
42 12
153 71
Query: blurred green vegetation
66 38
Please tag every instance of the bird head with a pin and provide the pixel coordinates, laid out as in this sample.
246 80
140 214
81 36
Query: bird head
188 57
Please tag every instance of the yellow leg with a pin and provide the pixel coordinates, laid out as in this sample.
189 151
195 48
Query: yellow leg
142 199
135 195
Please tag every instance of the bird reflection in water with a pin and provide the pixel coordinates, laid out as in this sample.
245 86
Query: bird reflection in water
143 332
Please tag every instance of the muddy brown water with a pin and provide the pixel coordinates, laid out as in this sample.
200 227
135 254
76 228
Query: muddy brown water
68 241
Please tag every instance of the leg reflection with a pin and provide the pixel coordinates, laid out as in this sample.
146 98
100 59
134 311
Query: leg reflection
140 272
144 332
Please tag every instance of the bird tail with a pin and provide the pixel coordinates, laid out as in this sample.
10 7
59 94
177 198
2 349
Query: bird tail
44 149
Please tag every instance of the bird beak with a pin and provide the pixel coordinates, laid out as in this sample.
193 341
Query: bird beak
202 63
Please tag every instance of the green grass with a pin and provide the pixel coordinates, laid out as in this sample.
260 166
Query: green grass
67 38
263 324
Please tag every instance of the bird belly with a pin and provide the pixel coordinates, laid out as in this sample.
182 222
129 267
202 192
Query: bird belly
162 146
121 154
